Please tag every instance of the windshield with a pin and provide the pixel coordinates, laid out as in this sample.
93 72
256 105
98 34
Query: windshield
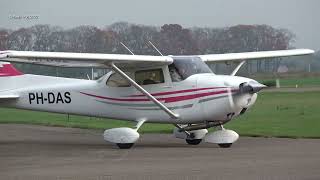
183 67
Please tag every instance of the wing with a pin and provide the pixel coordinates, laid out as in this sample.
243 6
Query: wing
66 59
254 55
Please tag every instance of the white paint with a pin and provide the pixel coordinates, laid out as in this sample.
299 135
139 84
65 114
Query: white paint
121 135
223 136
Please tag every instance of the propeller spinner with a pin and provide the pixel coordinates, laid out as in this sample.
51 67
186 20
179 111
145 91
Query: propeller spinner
244 96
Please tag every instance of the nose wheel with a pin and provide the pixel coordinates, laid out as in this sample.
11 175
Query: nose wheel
223 137
123 137
225 145
125 145
193 141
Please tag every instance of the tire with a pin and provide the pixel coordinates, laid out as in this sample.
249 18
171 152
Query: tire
193 141
226 145
125 145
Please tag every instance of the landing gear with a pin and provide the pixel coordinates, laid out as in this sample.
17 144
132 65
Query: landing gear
193 137
223 137
125 145
225 145
193 141
123 137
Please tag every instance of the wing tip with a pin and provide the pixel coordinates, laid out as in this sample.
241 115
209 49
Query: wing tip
309 51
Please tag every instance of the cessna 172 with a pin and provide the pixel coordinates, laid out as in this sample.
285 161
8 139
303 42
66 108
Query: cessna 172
180 90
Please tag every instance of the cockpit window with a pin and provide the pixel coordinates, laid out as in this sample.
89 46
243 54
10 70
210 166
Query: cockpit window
183 67
150 76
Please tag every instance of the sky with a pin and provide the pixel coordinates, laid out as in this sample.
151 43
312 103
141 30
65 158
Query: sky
299 16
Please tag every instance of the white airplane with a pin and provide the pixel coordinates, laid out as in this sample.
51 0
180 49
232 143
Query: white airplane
179 90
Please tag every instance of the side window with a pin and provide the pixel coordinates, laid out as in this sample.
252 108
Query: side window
151 76
174 74
115 80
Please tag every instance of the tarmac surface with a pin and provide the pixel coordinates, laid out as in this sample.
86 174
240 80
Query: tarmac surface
53 153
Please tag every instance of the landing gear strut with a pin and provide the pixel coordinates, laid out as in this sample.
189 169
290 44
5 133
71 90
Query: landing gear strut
123 137
192 137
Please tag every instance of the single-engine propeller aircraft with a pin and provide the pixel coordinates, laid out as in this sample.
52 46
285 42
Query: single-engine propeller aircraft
179 90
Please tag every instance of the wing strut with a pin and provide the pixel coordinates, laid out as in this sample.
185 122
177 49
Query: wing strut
143 91
234 72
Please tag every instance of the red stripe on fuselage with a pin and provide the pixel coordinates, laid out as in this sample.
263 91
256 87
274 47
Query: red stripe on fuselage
166 100
177 92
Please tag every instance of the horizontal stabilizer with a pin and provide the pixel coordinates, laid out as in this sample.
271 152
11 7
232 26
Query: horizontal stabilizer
8 96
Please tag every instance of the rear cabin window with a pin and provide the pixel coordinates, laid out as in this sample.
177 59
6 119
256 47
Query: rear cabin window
115 80
151 76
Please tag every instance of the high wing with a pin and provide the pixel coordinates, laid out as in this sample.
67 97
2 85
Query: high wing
66 59
254 55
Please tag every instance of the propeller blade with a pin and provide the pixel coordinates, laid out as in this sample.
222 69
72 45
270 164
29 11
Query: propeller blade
230 97
251 87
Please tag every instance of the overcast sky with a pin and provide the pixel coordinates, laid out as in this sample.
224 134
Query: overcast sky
299 16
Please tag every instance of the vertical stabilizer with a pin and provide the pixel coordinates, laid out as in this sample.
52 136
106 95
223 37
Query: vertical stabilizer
7 69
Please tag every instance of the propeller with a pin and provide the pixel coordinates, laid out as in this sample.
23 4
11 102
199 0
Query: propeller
245 95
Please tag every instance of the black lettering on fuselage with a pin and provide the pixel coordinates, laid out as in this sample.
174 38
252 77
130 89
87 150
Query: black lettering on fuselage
39 96
32 97
59 98
67 97
50 97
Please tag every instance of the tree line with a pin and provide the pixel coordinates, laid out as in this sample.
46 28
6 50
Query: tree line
170 39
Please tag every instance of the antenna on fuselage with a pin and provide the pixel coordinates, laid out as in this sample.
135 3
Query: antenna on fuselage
155 48
126 48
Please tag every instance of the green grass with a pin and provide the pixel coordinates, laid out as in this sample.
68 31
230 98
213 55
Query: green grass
16 116
301 82
274 114
281 115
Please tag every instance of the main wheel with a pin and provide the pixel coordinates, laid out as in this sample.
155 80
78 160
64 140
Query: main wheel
193 141
125 145
225 145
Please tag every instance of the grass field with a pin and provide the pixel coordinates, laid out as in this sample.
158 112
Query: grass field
274 114
301 82
282 115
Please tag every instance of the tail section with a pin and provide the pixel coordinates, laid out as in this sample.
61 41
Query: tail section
8 77
7 69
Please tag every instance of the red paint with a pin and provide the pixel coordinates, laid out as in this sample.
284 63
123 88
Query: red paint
9 70
166 100
177 92
193 96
